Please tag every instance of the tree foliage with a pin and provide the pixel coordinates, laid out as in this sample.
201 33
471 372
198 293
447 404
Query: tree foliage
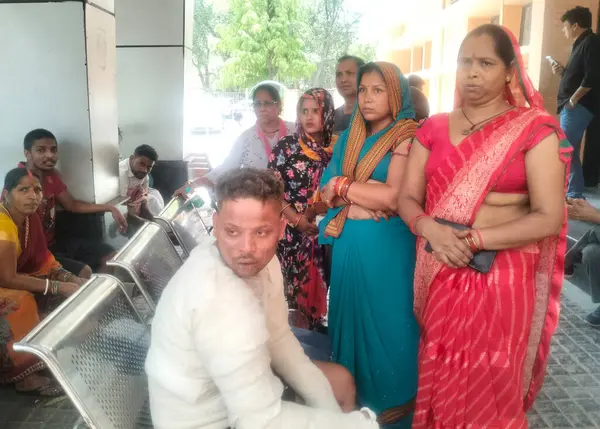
333 30
365 51
263 39
206 20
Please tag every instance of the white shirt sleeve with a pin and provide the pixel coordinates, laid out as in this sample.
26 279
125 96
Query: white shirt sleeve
123 178
288 358
231 340
233 160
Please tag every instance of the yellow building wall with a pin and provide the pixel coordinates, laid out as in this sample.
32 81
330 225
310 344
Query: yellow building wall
429 46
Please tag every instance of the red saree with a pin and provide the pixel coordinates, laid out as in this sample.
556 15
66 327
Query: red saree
485 338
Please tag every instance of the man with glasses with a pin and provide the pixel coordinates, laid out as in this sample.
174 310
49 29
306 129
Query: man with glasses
253 147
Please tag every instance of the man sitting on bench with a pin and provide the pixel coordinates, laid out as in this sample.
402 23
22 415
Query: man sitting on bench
221 330
586 251
76 255
135 184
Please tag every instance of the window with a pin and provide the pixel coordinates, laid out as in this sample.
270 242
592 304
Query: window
525 25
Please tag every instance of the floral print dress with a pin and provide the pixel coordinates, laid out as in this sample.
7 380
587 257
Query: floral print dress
301 257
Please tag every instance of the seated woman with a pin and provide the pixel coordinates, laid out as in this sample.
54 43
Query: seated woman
299 161
32 283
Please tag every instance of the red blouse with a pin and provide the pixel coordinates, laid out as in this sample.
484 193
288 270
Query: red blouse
434 135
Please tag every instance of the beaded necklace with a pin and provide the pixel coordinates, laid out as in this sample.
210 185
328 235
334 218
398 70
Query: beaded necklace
26 238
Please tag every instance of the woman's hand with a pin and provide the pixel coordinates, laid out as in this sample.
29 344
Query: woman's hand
67 289
78 280
328 192
448 244
360 213
305 226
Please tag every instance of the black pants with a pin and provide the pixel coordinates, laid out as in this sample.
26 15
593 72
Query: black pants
590 259
73 254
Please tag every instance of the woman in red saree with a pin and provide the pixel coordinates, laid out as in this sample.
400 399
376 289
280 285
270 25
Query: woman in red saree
32 283
497 165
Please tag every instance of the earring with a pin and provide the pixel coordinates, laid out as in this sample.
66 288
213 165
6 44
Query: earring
508 79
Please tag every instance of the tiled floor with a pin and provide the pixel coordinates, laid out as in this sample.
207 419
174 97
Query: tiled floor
570 398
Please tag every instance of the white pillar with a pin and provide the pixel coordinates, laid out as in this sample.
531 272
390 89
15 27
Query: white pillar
152 36
58 72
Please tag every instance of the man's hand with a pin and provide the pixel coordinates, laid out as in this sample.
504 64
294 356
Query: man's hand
558 69
186 189
342 384
580 209
120 219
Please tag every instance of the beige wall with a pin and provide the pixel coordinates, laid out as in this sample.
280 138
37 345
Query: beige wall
547 39
431 50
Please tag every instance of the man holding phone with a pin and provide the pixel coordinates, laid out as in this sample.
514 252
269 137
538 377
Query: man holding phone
578 93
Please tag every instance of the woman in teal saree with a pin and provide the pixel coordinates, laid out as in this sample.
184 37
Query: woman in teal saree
372 327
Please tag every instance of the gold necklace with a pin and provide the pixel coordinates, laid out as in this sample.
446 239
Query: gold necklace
26 237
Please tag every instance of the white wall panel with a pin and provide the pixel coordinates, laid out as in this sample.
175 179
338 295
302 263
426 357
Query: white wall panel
102 84
150 88
44 85
108 5
149 22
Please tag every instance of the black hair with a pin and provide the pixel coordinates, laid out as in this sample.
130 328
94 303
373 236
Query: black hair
358 61
147 151
415 80
578 15
502 42
14 176
273 92
371 67
261 185
33 136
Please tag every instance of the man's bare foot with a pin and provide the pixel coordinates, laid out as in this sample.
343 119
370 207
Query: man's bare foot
37 385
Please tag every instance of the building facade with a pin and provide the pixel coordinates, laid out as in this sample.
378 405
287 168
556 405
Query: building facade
427 35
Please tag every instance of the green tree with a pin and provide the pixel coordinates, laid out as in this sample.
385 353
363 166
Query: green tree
365 51
333 30
204 41
263 39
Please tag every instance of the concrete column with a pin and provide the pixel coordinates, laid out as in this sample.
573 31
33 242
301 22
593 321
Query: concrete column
58 72
153 39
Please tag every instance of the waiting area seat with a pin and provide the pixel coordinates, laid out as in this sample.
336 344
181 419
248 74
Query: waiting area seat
150 259
95 344
187 222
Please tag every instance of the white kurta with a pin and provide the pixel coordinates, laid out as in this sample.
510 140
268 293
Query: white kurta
215 339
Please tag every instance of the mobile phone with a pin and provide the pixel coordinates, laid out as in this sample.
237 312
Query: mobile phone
551 60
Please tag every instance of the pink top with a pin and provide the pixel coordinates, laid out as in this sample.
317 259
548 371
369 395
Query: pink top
434 135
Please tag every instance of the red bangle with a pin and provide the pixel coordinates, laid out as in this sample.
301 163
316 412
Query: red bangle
413 222
479 238
471 243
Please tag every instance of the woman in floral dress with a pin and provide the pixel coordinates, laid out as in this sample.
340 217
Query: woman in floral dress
299 160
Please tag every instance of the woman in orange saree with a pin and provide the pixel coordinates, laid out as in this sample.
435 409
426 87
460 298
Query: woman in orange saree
497 166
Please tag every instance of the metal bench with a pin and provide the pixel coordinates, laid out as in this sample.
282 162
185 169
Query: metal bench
95 344
188 223
150 258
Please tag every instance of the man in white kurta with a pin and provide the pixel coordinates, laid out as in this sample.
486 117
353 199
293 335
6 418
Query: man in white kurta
221 329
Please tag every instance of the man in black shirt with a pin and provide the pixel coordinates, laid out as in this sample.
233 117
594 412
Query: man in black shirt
579 87
345 81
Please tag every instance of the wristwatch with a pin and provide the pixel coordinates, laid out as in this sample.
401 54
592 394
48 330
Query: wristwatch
571 102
